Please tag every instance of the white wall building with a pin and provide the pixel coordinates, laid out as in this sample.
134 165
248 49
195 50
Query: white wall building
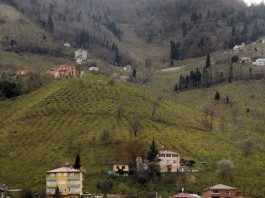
169 161
238 48
81 54
259 62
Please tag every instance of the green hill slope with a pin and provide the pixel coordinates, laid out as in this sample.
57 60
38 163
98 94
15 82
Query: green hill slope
46 128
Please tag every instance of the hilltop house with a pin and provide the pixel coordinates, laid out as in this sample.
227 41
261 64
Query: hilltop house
63 71
219 191
121 170
169 161
65 181
81 54
259 62
238 48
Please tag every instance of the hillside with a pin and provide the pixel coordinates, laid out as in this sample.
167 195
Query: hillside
46 128
20 33
143 29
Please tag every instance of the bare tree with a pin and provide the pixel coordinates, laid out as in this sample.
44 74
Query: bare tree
104 136
156 104
208 118
235 113
225 169
222 122
120 113
247 147
135 127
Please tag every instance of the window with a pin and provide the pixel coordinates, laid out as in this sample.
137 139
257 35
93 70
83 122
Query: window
174 161
215 191
65 174
58 174
168 155
61 182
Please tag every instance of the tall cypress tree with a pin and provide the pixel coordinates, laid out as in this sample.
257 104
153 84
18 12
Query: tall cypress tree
50 24
208 61
77 164
153 152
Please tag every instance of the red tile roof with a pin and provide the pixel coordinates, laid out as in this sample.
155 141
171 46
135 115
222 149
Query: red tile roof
64 170
220 187
167 152
183 195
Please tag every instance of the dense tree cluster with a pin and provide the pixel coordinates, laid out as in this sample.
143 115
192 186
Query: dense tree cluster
198 27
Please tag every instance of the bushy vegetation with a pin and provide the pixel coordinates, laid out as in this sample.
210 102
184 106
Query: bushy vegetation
67 117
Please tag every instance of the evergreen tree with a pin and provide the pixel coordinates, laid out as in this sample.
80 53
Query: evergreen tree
50 24
231 74
153 152
77 164
217 96
208 61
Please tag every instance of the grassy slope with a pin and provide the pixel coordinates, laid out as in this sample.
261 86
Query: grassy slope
45 129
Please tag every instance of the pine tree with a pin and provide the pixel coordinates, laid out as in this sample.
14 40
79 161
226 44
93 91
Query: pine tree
217 96
50 24
77 164
208 61
153 152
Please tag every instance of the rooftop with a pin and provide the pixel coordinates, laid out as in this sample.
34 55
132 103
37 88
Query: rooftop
183 195
220 187
167 152
64 170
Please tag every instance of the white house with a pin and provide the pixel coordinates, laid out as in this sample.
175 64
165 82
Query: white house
238 48
259 62
245 59
67 45
169 161
93 69
81 54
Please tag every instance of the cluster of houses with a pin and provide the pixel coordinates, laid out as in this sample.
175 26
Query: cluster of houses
68 182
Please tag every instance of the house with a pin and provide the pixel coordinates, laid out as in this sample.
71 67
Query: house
121 170
81 54
63 71
67 45
245 59
259 62
184 195
79 61
169 161
21 72
93 69
127 68
219 191
66 181
238 48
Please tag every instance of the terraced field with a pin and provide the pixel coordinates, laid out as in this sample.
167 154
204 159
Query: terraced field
46 128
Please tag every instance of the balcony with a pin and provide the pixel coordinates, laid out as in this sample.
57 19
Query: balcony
74 177
51 185
74 185
51 178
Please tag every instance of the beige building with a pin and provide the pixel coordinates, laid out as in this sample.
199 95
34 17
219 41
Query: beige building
169 161
121 170
67 180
